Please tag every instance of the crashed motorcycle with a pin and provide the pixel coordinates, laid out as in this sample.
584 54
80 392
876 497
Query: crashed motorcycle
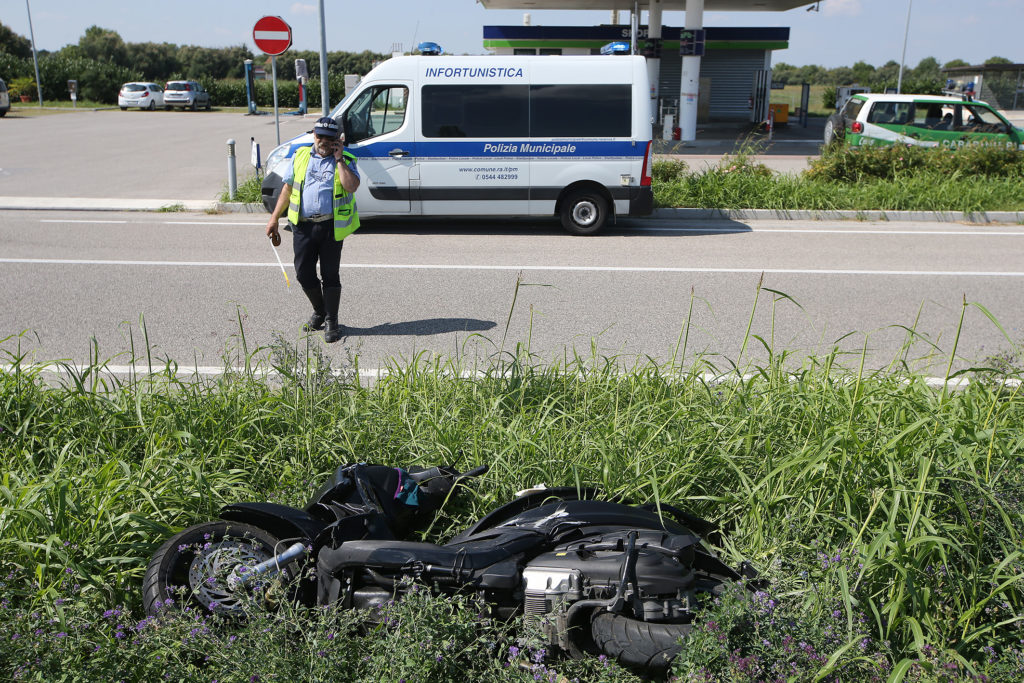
600 576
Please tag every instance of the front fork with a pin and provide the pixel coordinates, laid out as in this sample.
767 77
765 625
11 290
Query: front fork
243 575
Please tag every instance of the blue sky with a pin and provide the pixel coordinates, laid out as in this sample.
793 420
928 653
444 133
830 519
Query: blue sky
844 31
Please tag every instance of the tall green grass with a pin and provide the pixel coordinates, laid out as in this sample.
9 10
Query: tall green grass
894 506
249 191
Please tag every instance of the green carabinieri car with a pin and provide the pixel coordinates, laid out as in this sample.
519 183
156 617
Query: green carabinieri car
922 120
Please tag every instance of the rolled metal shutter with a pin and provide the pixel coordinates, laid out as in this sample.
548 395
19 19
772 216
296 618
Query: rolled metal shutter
732 81
670 75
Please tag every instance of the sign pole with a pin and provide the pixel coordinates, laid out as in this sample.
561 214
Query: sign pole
277 119
273 35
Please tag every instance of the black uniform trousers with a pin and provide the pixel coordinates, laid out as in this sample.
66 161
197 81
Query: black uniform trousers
312 242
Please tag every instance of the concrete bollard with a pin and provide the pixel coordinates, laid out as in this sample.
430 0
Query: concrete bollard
232 173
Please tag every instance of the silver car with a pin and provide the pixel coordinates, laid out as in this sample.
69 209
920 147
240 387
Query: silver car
186 94
5 100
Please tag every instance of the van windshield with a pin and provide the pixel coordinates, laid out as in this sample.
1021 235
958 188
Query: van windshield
341 105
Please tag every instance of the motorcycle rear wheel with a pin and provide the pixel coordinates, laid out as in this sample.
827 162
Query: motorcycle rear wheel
644 645
638 644
192 567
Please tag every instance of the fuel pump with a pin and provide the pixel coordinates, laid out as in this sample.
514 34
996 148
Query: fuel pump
302 75
250 87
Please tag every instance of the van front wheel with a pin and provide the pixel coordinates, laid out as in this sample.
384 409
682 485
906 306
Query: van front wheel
584 212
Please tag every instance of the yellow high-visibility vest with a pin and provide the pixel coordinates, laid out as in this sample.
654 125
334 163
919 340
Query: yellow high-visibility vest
346 216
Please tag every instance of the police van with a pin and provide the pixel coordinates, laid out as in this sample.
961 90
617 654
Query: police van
566 136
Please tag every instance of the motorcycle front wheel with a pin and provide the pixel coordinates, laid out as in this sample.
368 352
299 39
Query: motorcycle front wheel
193 566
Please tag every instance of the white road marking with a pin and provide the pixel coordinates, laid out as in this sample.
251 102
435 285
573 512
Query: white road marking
66 367
583 269
109 222
213 223
51 220
837 231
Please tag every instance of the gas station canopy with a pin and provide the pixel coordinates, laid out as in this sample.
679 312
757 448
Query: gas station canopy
666 5
740 75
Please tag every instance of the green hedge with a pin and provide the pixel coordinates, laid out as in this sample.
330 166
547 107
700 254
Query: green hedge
97 81
844 163
231 93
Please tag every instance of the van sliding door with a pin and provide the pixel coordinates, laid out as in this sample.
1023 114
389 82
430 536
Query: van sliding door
581 132
470 141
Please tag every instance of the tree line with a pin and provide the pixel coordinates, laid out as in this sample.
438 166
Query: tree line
923 78
102 61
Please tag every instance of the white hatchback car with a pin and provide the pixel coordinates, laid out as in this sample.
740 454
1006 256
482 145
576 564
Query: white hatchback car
142 95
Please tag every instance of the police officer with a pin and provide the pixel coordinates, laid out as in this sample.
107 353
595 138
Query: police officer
319 194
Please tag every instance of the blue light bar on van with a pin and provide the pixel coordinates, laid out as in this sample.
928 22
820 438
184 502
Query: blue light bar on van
430 49
617 48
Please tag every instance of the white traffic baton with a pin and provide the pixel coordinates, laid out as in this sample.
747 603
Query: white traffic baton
285 272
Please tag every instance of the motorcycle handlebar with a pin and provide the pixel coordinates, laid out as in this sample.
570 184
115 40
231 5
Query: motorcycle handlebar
475 472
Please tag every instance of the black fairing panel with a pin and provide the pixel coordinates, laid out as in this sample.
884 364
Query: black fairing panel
280 520
491 562
527 502
555 519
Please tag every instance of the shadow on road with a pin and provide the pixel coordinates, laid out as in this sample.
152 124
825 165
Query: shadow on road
487 225
624 227
421 328
681 227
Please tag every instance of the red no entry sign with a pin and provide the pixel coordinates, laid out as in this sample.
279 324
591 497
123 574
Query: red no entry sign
273 35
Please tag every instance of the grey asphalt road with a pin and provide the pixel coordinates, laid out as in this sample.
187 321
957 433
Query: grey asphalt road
173 156
448 288
170 155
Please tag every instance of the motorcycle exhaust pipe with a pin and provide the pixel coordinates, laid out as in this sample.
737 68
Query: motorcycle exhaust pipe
243 576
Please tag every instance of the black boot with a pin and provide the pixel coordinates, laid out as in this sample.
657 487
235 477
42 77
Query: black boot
316 321
332 299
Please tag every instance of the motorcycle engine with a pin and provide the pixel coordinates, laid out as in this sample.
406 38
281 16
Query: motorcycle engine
591 570
546 587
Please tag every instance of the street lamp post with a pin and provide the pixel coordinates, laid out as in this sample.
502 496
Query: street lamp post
35 60
906 32
325 96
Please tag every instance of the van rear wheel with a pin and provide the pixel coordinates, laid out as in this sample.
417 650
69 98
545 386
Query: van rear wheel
584 212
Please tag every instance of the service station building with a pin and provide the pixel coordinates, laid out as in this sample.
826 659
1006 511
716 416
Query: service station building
697 73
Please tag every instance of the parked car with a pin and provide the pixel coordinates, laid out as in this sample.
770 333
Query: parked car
921 120
142 95
186 94
5 100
